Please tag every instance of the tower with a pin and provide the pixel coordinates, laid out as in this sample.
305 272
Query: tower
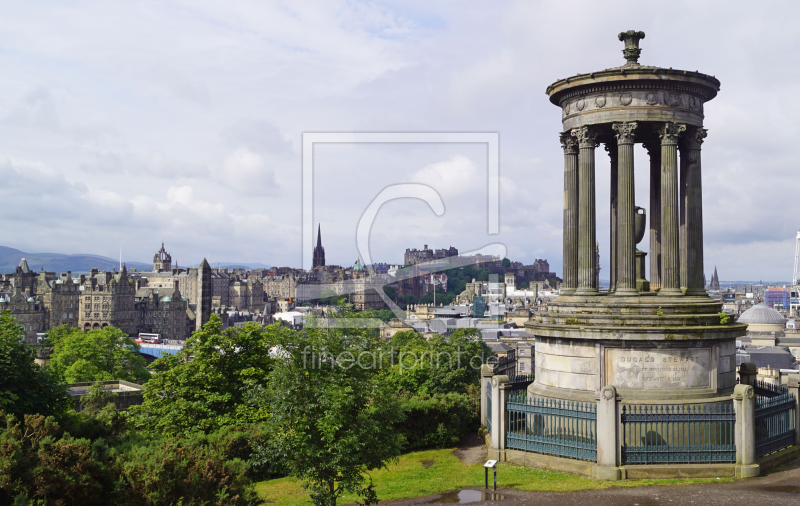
714 281
203 294
162 261
319 251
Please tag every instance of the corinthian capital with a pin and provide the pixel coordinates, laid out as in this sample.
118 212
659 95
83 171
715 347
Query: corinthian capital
669 132
586 136
625 131
694 138
568 143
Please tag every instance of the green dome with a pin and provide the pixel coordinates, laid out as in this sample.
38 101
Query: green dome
166 299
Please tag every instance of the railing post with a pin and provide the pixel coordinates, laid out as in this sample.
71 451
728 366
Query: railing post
747 373
794 389
744 402
499 416
487 371
608 440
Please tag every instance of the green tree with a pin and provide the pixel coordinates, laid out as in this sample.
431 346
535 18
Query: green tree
98 355
332 418
24 387
437 365
209 384
58 334
506 263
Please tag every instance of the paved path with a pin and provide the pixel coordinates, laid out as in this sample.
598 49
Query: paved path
782 488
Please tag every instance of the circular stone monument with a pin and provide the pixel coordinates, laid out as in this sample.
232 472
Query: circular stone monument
662 340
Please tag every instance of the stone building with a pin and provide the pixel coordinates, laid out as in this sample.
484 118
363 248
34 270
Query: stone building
415 256
164 311
107 298
27 311
60 298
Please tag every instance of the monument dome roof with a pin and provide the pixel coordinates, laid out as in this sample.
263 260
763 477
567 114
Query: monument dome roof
761 313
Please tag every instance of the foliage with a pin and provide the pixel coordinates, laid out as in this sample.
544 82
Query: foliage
435 366
440 420
24 387
723 318
58 334
98 355
42 464
506 263
209 384
332 419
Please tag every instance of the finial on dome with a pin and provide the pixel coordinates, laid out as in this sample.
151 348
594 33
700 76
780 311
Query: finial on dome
631 51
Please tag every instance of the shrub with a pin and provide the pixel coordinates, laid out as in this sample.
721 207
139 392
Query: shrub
436 421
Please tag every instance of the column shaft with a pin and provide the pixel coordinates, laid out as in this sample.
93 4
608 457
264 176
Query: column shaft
570 253
654 149
626 214
587 222
670 259
612 153
682 192
695 284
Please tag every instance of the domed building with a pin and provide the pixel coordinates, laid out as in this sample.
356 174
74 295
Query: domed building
762 318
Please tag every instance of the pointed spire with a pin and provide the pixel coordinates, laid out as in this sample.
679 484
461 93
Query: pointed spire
319 236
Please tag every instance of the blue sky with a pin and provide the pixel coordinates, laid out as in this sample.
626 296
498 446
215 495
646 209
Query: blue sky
122 123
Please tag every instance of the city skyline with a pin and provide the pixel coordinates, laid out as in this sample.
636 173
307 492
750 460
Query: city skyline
123 125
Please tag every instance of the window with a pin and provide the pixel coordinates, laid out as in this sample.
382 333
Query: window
522 366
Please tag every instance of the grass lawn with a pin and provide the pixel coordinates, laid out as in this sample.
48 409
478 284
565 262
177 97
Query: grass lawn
430 472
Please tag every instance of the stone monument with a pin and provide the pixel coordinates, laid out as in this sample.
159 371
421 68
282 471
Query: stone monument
659 340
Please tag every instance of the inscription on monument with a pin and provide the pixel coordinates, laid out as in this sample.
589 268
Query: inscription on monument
658 369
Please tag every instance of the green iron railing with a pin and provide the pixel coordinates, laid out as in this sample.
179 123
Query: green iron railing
775 423
489 406
678 434
551 426
520 381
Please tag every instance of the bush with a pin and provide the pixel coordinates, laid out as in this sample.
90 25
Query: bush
436 421
41 464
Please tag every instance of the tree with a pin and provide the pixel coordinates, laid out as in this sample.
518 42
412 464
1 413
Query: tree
506 263
98 355
209 385
58 334
24 387
437 365
332 418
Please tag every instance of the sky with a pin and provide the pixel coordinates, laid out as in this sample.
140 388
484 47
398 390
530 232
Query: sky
123 124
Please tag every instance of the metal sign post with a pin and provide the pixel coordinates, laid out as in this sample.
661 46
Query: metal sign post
490 464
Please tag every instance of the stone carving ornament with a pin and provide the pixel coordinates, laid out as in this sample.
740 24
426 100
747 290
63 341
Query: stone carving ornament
669 132
625 98
568 143
600 101
587 137
624 131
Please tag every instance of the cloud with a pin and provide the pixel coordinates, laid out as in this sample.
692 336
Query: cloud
456 176
247 172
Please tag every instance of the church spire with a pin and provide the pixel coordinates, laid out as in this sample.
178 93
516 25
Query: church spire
319 236
319 251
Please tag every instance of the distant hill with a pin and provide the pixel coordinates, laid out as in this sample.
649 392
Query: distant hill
59 262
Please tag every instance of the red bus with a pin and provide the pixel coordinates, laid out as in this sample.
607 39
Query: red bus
148 338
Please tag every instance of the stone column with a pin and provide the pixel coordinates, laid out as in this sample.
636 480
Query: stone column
794 388
607 436
690 151
587 221
744 403
487 371
670 260
498 412
654 150
570 146
626 228
612 154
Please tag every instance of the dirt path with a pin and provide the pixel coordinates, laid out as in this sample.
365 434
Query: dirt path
780 488
472 450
